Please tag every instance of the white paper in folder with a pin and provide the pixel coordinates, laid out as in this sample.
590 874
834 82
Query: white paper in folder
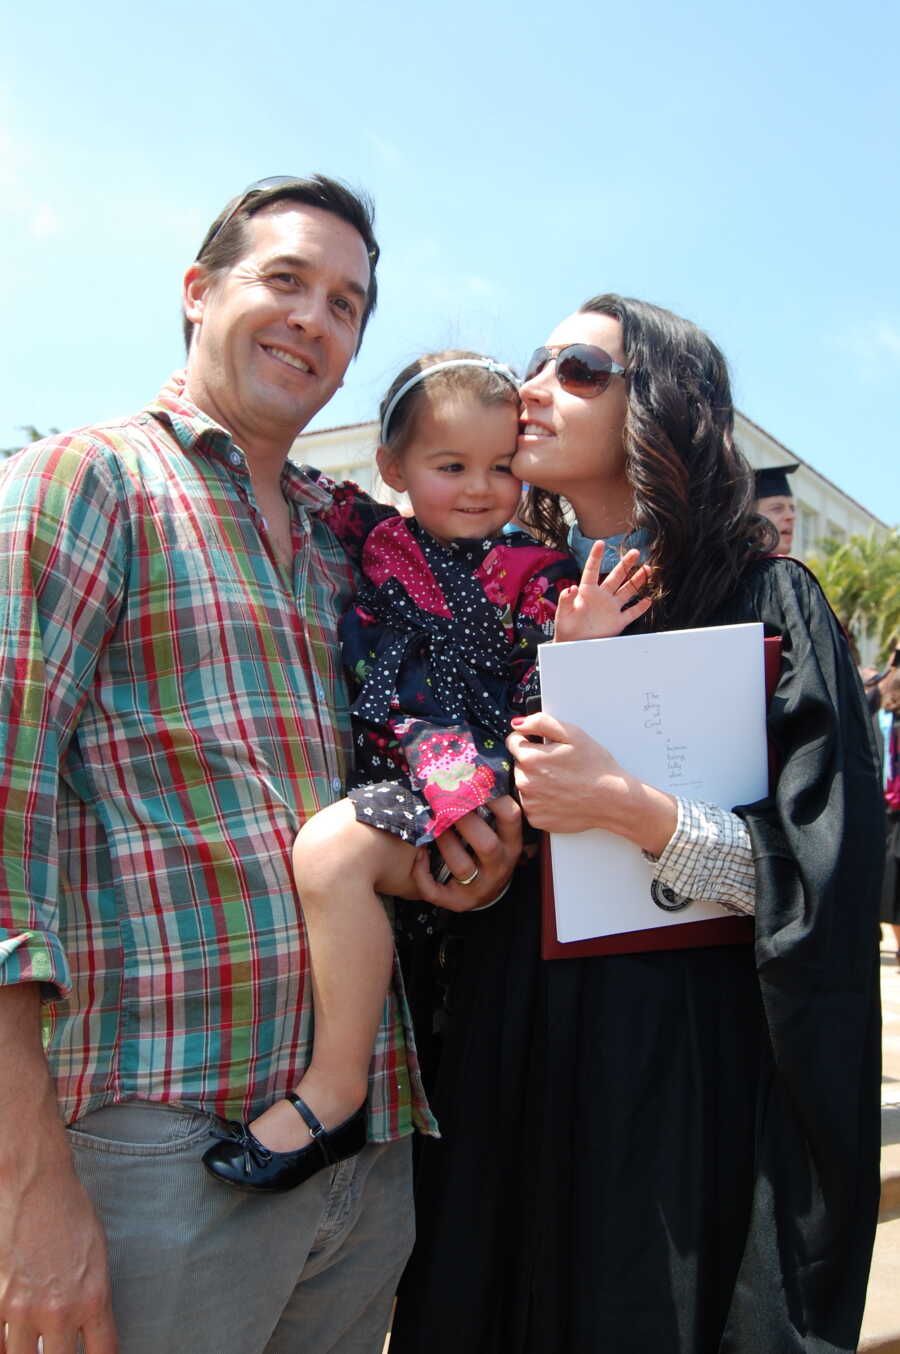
685 711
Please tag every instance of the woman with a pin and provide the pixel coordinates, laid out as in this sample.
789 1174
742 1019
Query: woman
674 1151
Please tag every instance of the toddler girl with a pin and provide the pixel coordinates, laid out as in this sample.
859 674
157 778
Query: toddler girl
441 644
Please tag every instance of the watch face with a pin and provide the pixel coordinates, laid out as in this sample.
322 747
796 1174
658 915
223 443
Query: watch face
666 898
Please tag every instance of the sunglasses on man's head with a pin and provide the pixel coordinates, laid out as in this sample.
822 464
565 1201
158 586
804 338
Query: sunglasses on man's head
261 186
581 368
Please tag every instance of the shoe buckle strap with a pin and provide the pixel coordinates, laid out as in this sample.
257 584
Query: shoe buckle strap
317 1130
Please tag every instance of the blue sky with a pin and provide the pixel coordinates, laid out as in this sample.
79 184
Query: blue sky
737 164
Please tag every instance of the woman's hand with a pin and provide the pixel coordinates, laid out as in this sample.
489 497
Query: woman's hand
594 610
494 853
570 783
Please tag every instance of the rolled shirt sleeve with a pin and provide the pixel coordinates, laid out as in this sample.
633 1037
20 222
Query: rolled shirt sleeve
708 858
61 580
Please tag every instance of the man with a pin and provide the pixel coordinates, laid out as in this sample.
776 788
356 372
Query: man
172 709
775 501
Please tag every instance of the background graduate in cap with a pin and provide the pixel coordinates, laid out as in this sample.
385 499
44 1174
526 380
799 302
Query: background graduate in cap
775 501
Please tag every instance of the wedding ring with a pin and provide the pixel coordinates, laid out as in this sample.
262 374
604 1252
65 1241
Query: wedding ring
474 875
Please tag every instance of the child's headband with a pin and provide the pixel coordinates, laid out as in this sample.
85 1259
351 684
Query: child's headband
496 367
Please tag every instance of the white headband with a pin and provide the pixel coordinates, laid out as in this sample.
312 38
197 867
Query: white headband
485 362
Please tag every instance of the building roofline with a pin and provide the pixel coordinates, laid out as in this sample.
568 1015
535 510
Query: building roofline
371 422
807 466
337 428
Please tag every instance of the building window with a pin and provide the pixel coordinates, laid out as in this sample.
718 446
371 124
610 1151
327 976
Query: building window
807 532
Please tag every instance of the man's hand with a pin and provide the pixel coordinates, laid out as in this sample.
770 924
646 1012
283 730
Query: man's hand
595 610
53 1276
493 856
174 385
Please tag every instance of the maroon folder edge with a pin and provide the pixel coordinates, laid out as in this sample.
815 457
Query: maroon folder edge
726 930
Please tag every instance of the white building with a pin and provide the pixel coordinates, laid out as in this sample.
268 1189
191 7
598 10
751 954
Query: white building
824 510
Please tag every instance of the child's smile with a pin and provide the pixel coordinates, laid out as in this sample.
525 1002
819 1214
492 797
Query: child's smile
456 468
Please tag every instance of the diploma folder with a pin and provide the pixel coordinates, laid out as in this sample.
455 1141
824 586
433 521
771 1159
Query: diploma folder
684 710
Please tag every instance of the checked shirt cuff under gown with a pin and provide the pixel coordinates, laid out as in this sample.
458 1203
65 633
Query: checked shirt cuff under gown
708 858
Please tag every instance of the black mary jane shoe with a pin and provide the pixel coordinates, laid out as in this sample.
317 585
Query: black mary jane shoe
240 1159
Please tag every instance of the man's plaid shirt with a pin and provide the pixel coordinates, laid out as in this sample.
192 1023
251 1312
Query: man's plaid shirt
172 708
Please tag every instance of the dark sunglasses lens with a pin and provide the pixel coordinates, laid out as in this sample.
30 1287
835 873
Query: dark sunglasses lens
538 360
583 370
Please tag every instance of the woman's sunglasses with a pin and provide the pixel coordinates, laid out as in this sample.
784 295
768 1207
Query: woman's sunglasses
581 369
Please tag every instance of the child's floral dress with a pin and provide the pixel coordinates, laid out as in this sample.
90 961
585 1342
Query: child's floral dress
442 644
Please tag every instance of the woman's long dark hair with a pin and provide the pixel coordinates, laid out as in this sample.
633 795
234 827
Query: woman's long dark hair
693 490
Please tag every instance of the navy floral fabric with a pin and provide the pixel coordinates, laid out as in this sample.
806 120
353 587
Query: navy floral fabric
442 645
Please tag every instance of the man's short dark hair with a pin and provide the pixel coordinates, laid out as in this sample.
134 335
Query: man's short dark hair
226 240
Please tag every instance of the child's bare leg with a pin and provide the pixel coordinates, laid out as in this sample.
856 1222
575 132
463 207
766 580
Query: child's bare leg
340 866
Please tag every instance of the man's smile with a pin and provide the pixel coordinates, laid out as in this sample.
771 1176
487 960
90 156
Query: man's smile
290 359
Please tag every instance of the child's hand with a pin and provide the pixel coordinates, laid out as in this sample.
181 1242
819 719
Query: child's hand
595 610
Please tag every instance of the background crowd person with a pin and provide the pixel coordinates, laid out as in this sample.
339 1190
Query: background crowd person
775 501
173 709
889 687
675 1150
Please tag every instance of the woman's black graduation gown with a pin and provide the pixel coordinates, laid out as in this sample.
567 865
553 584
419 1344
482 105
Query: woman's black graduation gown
677 1152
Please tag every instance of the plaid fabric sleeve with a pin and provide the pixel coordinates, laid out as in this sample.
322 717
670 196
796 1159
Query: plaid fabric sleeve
708 858
60 588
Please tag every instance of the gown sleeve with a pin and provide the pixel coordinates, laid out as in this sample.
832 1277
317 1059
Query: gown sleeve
817 845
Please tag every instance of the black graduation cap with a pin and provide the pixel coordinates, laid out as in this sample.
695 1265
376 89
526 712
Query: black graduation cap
772 482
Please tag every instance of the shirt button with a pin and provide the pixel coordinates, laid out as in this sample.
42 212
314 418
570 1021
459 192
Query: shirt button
235 457
336 784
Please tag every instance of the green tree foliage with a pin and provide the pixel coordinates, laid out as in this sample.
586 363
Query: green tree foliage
861 578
